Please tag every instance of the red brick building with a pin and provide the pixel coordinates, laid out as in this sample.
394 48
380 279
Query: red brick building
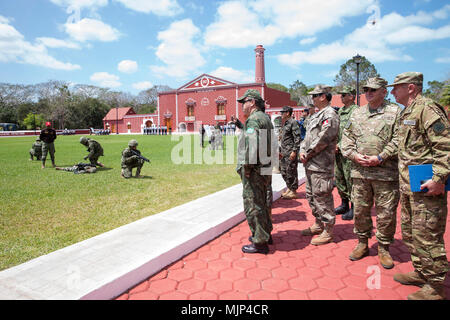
211 100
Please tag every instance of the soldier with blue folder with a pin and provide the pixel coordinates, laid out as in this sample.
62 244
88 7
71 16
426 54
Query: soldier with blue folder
424 138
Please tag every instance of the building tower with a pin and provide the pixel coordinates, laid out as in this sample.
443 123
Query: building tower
259 65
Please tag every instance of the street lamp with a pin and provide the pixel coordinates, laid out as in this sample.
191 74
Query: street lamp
357 59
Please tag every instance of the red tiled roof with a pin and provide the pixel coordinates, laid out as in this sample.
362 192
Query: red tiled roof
118 114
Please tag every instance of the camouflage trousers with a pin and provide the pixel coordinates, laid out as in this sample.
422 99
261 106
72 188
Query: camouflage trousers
127 170
257 196
423 220
319 187
33 153
342 169
386 195
94 159
76 169
48 148
288 169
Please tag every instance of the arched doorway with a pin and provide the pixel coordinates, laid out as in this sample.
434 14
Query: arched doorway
148 123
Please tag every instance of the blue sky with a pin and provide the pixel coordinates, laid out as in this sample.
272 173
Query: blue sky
130 45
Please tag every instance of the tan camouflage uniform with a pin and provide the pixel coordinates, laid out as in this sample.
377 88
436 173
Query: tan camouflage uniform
424 133
319 146
374 133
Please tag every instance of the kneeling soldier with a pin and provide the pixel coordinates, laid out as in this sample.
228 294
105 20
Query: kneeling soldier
131 159
95 151
36 150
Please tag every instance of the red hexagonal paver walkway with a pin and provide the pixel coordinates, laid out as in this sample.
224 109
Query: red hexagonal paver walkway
294 269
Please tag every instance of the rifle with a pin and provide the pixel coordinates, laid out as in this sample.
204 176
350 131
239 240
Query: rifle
139 156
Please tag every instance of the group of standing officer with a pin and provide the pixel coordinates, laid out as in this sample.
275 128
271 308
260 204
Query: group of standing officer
367 151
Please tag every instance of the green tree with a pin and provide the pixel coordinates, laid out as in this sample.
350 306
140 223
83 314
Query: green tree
347 73
435 90
445 99
33 121
277 86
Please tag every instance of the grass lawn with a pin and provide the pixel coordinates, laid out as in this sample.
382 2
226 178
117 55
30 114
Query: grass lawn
42 210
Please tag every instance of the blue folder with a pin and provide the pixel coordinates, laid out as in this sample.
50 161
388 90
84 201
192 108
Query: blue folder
418 174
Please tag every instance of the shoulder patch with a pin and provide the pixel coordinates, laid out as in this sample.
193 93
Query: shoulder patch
438 127
250 130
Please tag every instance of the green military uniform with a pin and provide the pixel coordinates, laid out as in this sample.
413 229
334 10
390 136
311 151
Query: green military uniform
130 161
342 167
289 142
48 136
374 133
36 149
255 169
80 168
319 146
94 148
424 133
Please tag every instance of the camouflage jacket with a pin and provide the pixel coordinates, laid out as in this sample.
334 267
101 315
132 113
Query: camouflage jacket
255 142
424 137
344 116
94 148
373 134
128 158
320 141
37 147
290 137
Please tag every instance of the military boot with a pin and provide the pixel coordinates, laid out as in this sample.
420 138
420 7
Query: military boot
290 195
325 237
313 230
413 278
384 256
429 292
285 192
256 248
343 208
349 214
361 250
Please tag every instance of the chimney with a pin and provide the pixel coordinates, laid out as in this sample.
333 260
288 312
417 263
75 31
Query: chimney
259 65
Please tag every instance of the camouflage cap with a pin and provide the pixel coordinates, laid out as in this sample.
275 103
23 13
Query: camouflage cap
321 88
38 139
133 143
375 83
347 90
408 77
287 109
250 93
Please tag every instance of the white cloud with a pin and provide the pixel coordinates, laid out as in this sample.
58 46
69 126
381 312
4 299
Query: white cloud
443 60
90 29
378 43
106 79
80 3
144 85
127 66
158 7
233 75
57 43
14 48
241 24
177 50
308 40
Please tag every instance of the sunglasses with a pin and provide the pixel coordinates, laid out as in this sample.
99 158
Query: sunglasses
365 90
317 95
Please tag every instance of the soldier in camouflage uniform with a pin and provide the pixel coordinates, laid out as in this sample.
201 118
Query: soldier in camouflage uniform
36 149
424 137
289 148
48 136
370 140
317 155
79 168
255 169
342 165
95 151
131 160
